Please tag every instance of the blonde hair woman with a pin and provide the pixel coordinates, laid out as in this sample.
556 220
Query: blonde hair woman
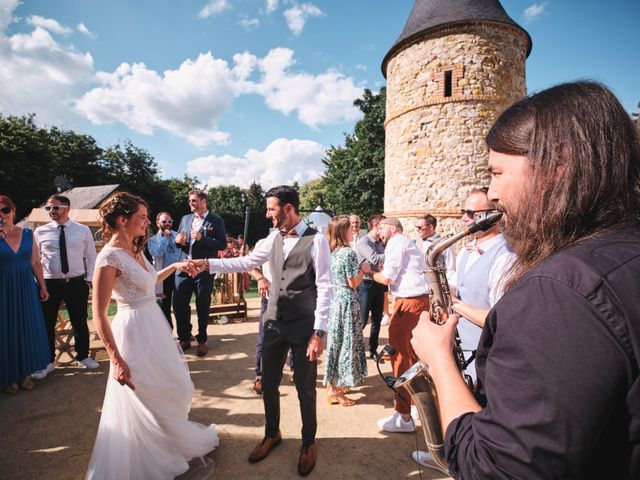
346 363
144 429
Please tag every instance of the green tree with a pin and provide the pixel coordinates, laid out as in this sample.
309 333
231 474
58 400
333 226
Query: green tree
313 193
228 201
354 174
258 223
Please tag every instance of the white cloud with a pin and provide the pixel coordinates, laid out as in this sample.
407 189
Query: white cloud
282 162
213 7
187 102
39 74
298 15
48 24
82 28
322 99
271 6
249 23
535 11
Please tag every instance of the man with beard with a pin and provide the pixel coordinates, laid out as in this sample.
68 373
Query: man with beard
557 362
403 273
296 317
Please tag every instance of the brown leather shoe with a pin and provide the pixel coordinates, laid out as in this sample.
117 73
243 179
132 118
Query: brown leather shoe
203 349
261 450
307 459
257 386
185 345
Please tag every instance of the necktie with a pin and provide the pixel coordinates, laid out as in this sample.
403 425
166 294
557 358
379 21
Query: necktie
63 251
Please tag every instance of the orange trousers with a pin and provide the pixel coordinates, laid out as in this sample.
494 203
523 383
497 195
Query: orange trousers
405 316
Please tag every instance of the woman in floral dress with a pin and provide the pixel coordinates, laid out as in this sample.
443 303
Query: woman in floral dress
346 363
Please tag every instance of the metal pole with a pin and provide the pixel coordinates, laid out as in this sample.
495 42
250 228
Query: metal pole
245 245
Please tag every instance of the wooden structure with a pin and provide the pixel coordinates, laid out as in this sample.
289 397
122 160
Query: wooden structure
230 298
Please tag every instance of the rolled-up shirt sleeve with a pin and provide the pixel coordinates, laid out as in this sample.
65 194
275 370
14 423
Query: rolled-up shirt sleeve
322 265
549 368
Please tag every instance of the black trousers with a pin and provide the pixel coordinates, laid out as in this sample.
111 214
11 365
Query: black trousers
168 286
202 286
75 294
278 338
371 295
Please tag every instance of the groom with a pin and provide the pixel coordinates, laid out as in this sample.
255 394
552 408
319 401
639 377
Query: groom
296 316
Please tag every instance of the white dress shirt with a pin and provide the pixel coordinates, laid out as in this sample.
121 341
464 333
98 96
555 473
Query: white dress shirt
196 225
404 266
321 261
497 271
81 251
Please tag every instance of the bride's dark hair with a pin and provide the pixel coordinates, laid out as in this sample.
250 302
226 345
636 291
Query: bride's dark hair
121 204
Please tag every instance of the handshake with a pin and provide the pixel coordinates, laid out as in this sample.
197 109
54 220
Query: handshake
193 267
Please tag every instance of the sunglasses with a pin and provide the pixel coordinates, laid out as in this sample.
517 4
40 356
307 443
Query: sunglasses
421 228
477 214
55 208
5 210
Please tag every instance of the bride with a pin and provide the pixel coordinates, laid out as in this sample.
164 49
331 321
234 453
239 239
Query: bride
144 430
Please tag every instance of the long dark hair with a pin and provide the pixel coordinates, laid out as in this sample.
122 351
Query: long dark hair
121 204
583 153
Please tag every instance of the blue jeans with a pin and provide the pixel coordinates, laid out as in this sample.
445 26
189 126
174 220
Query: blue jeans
371 296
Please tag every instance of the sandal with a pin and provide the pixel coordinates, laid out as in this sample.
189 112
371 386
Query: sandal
26 383
11 389
343 400
331 395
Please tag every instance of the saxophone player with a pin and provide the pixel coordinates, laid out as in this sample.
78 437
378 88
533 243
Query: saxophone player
558 385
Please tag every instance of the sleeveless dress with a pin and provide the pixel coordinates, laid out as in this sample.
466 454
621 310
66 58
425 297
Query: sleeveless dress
346 361
145 433
24 347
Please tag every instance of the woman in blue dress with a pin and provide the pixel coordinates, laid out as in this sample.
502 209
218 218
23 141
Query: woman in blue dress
346 362
24 348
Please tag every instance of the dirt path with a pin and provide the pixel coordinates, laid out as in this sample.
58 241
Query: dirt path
49 432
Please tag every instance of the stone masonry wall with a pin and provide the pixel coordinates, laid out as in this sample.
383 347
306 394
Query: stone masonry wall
435 151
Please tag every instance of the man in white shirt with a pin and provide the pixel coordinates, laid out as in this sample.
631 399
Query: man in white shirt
426 227
296 316
403 272
68 259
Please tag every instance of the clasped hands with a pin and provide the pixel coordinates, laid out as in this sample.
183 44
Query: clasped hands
193 267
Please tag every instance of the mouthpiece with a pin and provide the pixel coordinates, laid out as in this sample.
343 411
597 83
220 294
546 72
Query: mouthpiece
486 223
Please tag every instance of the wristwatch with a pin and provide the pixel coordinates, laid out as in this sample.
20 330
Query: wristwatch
318 333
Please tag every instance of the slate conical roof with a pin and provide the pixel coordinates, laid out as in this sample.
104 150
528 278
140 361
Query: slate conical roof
430 15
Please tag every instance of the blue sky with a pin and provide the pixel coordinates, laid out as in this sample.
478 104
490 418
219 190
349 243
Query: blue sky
234 91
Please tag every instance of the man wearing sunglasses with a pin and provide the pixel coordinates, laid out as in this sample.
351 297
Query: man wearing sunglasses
68 258
479 271
162 247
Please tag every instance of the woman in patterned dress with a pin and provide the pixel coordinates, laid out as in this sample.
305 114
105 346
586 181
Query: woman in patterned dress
346 363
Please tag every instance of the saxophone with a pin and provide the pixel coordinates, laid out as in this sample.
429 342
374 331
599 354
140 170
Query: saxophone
417 381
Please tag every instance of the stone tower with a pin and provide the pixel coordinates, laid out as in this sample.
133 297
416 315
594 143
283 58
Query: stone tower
455 67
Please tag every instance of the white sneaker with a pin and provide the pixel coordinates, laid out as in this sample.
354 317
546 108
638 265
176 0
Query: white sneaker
426 460
88 362
394 423
414 413
385 320
40 374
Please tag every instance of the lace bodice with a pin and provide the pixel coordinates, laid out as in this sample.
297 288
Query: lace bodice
134 283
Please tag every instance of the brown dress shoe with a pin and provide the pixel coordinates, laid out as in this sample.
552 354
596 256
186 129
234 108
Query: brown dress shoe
257 386
261 450
185 345
203 349
307 459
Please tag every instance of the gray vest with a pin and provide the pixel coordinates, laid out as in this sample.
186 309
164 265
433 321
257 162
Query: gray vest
293 292
473 289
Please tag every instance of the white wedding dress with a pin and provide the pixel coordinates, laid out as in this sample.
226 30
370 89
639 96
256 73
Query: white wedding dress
145 433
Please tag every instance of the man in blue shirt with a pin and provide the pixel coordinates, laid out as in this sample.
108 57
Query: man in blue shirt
164 251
